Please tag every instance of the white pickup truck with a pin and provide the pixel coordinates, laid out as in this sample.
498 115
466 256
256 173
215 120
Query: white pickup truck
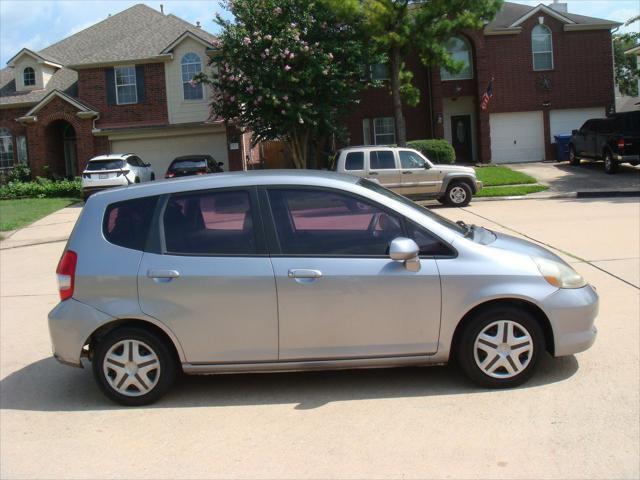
409 173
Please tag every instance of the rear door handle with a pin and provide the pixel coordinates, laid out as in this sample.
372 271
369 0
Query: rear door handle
161 273
406 172
304 273
373 173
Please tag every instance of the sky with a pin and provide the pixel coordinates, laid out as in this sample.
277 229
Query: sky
36 24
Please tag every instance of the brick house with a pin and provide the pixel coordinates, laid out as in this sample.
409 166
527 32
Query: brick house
119 86
552 70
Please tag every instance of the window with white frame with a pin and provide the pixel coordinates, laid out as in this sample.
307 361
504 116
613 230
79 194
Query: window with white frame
191 65
384 131
542 47
21 146
126 88
366 132
6 148
29 77
460 51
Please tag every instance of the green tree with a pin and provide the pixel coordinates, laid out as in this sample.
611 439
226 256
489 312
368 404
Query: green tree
287 69
399 26
626 66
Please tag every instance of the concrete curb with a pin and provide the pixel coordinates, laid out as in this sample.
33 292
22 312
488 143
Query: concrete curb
554 196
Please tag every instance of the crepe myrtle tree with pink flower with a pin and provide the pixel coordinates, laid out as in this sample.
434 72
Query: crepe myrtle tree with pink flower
287 69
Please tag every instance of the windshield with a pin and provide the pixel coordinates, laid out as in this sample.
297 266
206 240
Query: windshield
457 228
188 163
96 165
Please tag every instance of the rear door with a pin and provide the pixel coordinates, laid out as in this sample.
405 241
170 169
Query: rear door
417 177
210 280
383 166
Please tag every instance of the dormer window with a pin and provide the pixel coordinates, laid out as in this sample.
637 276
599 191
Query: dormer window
542 48
191 65
29 77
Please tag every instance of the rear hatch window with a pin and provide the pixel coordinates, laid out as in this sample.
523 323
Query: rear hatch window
97 165
188 165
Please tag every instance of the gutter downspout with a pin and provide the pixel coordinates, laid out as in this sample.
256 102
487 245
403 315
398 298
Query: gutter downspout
613 68
430 93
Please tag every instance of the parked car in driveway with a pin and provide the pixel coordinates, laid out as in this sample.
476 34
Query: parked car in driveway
114 170
299 270
410 173
193 165
615 140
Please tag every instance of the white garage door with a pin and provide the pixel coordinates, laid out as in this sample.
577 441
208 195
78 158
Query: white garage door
160 151
517 137
563 121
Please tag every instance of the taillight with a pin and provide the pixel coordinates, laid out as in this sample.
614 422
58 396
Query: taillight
66 272
621 144
169 175
201 172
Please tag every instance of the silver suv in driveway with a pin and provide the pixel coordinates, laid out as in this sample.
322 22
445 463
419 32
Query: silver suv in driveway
294 270
410 173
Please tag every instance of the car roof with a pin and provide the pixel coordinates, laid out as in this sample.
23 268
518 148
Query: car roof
112 156
189 157
320 178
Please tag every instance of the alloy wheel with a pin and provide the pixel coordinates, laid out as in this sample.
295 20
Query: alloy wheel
458 195
503 349
131 368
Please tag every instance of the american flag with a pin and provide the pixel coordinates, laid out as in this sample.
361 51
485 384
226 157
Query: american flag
486 96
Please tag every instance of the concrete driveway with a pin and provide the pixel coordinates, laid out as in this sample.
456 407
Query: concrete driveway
561 177
578 418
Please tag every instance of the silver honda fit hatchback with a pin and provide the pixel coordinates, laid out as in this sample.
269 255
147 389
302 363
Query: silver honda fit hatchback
293 270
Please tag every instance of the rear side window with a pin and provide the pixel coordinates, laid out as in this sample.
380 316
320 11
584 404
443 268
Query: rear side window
382 160
210 223
354 161
127 223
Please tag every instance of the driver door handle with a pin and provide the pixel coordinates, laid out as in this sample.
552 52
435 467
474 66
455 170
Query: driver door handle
161 273
304 273
407 172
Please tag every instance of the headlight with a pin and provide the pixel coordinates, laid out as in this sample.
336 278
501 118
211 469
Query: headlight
558 274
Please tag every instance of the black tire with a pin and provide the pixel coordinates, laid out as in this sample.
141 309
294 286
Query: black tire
164 377
468 357
153 177
573 158
442 200
458 194
137 180
610 165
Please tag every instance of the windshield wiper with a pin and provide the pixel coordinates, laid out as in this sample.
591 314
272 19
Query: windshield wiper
468 229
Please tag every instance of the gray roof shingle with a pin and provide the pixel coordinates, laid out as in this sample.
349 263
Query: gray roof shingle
136 33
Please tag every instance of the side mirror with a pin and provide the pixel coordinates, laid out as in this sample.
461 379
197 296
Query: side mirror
220 164
405 250
574 132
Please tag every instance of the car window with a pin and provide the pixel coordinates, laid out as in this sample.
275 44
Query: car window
381 160
97 165
127 223
322 222
354 161
188 164
409 159
133 161
429 244
209 223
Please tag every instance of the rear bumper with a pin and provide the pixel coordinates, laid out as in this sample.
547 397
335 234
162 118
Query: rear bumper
627 158
71 323
572 313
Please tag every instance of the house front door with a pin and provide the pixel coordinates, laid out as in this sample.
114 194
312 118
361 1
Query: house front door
461 138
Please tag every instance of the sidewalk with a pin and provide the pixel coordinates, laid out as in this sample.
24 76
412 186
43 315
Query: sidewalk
55 227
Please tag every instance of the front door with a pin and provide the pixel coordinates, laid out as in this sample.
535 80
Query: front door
339 294
213 283
417 175
461 138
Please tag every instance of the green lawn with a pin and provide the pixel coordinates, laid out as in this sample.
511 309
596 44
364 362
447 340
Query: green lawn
496 175
510 191
15 214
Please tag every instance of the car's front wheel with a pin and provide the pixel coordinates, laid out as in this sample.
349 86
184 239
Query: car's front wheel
133 366
573 158
610 165
500 347
458 194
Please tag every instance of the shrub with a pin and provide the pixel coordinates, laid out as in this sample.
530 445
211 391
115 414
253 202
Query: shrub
436 150
41 188
19 173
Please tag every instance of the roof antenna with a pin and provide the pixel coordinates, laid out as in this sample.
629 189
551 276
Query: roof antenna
162 9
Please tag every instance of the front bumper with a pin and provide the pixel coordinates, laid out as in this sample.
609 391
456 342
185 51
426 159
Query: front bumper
479 186
71 323
572 313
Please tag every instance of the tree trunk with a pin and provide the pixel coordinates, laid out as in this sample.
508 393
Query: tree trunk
401 133
298 143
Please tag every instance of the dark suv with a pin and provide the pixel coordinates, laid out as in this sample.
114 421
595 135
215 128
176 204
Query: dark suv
193 165
615 140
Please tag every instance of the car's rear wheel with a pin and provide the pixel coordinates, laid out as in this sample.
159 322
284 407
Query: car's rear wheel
500 347
133 366
458 194
610 165
573 158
